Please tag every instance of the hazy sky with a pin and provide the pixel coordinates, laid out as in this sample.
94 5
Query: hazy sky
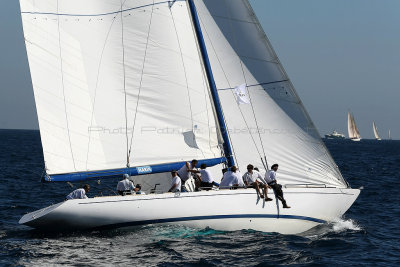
339 54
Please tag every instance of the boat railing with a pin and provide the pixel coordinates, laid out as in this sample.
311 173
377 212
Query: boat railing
307 186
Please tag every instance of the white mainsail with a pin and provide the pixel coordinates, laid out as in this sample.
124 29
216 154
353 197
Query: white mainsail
275 126
376 134
115 80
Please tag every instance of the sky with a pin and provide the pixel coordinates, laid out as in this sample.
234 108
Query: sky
340 55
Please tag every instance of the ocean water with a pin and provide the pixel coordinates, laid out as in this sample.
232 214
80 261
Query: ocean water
368 234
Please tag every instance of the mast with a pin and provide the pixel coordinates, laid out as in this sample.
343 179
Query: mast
211 82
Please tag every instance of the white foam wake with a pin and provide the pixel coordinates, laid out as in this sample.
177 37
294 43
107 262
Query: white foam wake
340 225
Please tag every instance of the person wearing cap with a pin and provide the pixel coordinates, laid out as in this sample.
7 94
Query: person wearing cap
125 185
176 182
253 178
232 178
270 178
79 193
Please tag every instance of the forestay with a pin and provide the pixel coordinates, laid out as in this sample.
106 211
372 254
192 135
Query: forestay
274 125
117 82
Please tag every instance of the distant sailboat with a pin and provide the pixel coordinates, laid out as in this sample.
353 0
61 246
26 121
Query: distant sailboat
354 134
390 137
375 131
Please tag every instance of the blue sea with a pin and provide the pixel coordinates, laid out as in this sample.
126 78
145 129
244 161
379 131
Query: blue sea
368 234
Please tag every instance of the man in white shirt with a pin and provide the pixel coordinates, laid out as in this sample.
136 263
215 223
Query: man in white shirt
125 185
188 170
232 178
176 182
79 193
270 178
253 178
206 178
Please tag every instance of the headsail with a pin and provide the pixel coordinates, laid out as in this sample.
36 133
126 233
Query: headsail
350 126
376 134
275 125
117 82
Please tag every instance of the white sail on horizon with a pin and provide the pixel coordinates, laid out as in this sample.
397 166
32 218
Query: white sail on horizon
352 127
376 134
115 82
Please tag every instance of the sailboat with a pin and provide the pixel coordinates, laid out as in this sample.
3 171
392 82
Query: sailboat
141 87
389 136
375 131
354 134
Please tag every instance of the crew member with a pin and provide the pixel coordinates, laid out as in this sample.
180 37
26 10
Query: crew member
79 193
206 178
125 185
231 178
187 170
253 178
270 178
176 182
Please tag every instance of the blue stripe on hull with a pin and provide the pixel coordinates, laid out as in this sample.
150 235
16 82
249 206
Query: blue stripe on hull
211 217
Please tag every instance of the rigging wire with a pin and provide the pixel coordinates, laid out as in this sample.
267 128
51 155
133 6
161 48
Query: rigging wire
229 84
123 67
95 90
141 81
63 87
245 80
187 83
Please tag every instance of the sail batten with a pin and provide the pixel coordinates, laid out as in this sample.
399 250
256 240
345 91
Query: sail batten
104 100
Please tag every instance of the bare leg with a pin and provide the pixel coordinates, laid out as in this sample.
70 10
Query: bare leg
265 188
258 190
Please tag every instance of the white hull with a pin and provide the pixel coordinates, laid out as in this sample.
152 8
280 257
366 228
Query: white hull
355 139
220 210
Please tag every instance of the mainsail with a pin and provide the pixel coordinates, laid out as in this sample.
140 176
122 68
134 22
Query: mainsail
274 127
118 83
376 134
352 127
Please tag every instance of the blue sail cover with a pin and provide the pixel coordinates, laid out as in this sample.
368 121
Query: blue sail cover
94 175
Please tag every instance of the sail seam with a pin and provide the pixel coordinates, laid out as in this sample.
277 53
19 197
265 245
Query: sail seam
253 85
95 15
63 89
